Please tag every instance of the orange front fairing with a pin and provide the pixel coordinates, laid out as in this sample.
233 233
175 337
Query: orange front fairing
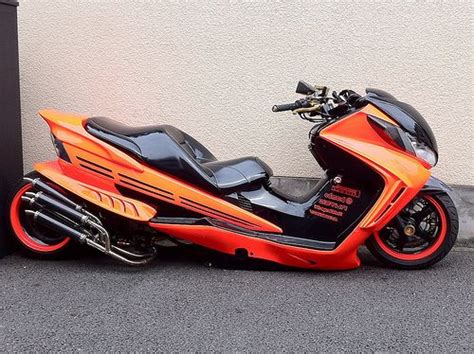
404 175
372 110
91 156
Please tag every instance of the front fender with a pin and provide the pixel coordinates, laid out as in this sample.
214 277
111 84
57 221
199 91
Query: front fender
436 186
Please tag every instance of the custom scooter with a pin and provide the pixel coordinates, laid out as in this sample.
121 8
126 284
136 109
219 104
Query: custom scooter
127 191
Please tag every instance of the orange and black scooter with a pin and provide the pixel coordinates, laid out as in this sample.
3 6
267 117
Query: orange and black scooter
128 190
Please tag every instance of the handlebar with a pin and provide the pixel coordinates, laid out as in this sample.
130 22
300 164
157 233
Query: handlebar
284 107
291 106
319 106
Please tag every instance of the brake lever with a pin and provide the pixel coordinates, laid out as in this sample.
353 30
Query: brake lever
313 108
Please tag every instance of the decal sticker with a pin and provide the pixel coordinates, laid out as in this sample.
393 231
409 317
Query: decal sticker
334 204
329 217
351 192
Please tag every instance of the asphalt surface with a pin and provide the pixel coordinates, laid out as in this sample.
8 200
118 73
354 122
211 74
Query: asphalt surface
183 304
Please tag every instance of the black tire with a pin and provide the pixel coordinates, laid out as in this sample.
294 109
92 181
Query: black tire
452 227
30 229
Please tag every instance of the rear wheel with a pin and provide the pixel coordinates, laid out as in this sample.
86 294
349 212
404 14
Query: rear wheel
34 240
420 235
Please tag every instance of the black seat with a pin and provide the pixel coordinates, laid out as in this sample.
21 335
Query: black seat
172 151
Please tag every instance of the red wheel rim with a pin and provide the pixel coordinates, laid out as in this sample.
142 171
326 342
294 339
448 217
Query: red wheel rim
440 237
20 232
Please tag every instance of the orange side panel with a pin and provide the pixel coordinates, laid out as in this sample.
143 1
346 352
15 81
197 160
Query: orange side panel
96 191
88 153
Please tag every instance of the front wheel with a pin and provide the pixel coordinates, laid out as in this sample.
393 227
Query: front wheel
420 235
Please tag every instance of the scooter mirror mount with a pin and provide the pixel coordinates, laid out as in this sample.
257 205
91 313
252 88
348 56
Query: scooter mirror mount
304 88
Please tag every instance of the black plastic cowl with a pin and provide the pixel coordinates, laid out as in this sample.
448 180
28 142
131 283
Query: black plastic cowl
404 114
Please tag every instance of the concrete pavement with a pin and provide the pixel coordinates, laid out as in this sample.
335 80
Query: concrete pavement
180 304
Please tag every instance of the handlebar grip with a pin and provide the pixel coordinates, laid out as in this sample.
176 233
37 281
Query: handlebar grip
286 107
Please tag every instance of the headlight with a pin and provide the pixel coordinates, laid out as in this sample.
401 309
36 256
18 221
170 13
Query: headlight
395 135
422 151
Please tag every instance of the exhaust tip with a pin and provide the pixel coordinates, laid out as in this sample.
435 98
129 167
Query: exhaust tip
31 213
26 199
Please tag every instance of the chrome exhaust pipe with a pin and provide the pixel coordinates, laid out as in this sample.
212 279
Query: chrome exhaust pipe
27 200
84 238
119 257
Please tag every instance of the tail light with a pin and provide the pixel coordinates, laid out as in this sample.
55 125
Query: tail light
60 150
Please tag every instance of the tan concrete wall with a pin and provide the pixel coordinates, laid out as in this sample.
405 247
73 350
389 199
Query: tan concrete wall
215 68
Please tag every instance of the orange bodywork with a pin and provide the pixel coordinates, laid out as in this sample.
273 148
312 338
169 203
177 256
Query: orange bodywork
97 168
403 173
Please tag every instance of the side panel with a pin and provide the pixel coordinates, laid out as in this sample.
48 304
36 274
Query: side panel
95 190
92 155
332 209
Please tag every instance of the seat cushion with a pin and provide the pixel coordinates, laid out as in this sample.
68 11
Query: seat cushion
129 138
174 152
234 173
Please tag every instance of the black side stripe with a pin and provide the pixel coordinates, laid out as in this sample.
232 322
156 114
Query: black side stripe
216 214
147 190
203 207
96 171
94 164
145 184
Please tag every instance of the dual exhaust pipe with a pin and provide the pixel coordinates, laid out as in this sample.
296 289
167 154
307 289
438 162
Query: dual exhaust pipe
52 223
55 211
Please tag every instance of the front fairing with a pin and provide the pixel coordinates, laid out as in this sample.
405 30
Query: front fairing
404 114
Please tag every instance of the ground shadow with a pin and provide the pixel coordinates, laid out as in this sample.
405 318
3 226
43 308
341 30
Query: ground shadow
191 256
